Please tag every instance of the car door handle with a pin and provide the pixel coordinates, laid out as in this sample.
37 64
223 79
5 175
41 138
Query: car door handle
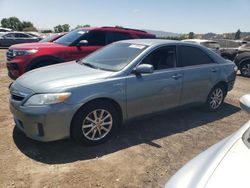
176 76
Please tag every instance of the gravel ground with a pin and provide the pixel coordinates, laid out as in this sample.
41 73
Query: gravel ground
145 153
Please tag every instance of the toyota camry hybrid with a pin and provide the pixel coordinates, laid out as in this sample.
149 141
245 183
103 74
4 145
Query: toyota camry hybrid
88 100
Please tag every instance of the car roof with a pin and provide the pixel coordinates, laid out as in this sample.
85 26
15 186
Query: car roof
127 30
17 32
198 40
152 42
7 29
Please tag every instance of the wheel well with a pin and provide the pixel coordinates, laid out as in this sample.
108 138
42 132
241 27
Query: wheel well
37 61
224 85
243 61
113 102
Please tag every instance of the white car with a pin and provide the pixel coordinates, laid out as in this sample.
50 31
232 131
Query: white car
245 48
225 164
212 45
4 30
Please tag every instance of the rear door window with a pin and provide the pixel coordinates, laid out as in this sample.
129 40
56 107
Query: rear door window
97 38
213 45
117 36
21 35
190 56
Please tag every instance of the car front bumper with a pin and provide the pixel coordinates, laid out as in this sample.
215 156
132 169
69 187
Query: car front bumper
13 70
44 123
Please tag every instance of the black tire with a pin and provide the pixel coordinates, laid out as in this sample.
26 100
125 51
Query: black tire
77 130
211 104
245 69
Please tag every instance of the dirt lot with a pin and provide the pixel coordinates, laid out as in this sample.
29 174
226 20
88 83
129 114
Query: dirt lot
145 153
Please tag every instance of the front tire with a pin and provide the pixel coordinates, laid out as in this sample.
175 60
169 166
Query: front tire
245 69
42 64
215 98
95 123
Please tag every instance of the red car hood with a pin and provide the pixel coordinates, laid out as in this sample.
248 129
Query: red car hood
35 45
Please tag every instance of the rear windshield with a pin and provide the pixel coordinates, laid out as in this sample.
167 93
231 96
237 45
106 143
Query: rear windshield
213 45
114 57
71 37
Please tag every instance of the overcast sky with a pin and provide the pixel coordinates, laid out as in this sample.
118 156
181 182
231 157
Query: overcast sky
181 16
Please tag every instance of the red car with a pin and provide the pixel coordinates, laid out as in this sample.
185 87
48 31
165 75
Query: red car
72 46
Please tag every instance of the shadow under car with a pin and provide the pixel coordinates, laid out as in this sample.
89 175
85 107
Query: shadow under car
143 130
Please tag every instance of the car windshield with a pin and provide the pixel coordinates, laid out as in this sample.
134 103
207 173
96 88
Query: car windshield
49 38
213 45
114 57
71 37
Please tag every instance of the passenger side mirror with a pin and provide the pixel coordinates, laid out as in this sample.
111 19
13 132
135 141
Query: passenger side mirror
144 69
245 103
82 43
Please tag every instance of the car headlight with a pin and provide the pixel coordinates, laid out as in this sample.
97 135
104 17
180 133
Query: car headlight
44 99
23 52
235 68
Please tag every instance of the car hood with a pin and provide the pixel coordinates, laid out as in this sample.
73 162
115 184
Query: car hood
36 45
225 164
60 77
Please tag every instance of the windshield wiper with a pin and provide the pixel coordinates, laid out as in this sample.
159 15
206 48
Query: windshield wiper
90 65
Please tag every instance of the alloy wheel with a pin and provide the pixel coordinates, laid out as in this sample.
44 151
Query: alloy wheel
97 124
216 98
245 69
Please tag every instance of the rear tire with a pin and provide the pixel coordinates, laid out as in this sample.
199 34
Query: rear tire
95 123
245 69
215 98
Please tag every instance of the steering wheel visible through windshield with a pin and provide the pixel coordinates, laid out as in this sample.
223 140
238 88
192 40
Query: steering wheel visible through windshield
114 57
71 37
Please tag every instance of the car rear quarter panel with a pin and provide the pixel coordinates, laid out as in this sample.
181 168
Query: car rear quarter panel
227 73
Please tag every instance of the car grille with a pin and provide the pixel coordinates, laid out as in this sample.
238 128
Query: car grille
9 54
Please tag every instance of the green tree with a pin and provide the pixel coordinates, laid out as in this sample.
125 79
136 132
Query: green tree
119 26
32 28
58 29
27 24
81 26
15 24
65 27
47 31
237 35
12 23
62 28
191 35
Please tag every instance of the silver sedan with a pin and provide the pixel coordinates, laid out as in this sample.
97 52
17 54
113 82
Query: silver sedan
88 100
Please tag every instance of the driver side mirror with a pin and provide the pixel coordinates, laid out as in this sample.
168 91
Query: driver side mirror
245 103
82 43
144 69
